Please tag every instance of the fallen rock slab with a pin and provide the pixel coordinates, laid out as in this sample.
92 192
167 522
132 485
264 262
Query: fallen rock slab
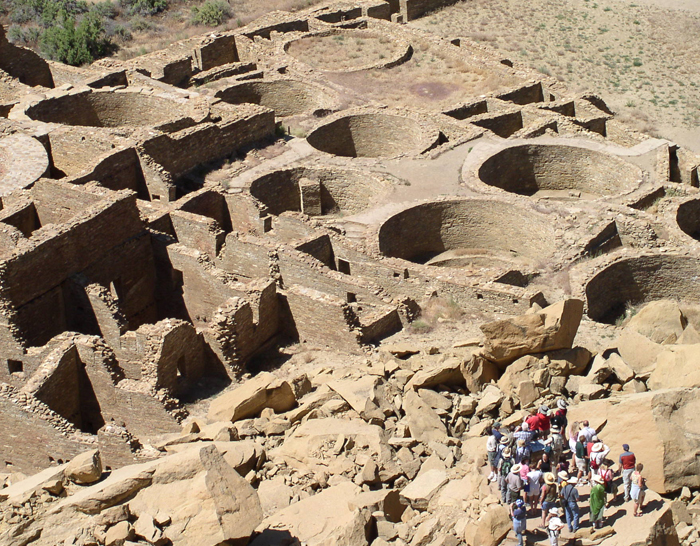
85 468
551 329
323 519
661 428
249 399
418 493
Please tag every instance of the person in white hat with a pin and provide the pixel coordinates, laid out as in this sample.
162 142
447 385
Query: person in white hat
514 483
597 501
505 465
557 445
599 452
554 526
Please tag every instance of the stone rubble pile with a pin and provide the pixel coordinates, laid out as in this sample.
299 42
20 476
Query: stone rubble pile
392 453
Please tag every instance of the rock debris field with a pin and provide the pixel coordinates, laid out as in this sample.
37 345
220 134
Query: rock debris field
278 285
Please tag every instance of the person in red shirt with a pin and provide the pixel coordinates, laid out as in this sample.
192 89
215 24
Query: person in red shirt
627 464
541 423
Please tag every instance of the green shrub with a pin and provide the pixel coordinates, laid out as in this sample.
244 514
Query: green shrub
106 9
212 13
144 7
74 44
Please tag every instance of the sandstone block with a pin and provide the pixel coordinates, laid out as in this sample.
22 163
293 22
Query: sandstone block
425 425
490 529
551 329
249 399
676 366
660 428
658 321
85 468
418 493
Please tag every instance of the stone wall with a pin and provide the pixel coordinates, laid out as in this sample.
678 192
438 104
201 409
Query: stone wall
24 64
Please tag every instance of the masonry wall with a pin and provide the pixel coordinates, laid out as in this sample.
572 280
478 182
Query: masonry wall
180 152
24 64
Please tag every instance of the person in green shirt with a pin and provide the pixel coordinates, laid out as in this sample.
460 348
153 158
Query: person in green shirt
597 502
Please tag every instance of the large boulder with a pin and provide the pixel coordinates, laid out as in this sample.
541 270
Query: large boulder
85 468
324 519
423 422
551 329
208 501
420 491
447 372
477 371
249 399
661 428
676 366
638 351
314 440
490 529
660 321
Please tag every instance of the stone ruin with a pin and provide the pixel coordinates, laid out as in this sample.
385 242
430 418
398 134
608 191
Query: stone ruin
161 228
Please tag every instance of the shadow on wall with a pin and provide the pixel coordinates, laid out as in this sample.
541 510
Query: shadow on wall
633 281
527 169
371 135
470 226
336 190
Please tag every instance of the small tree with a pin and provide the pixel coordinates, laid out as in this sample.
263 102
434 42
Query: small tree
75 44
212 13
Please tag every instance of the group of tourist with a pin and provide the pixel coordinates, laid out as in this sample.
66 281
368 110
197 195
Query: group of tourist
544 460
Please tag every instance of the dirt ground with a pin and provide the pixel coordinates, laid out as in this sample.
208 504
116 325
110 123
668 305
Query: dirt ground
642 57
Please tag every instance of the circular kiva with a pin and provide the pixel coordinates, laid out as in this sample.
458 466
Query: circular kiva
339 190
23 160
373 135
632 281
285 97
349 50
528 168
688 218
476 232
106 109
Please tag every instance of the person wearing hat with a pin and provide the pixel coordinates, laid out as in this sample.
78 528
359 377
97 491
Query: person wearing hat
598 453
522 451
569 501
627 463
514 484
505 465
559 418
548 496
557 444
563 476
518 511
597 500
541 422
554 525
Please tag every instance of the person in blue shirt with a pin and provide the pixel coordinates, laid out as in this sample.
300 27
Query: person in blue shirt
518 511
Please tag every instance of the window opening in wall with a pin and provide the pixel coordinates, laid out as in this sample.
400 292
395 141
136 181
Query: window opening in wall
15 366
181 367
479 297
344 266
155 197
674 167
351 298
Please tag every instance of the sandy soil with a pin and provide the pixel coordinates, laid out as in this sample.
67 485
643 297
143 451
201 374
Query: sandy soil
642 57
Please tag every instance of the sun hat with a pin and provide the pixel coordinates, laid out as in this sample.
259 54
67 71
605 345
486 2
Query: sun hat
597 448
504 441
561 403
555 428
516 469
549 478
573 480
496 425
564 475
598 479
544 410
506 452
554 511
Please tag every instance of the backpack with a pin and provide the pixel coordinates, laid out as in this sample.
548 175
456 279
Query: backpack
506 465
